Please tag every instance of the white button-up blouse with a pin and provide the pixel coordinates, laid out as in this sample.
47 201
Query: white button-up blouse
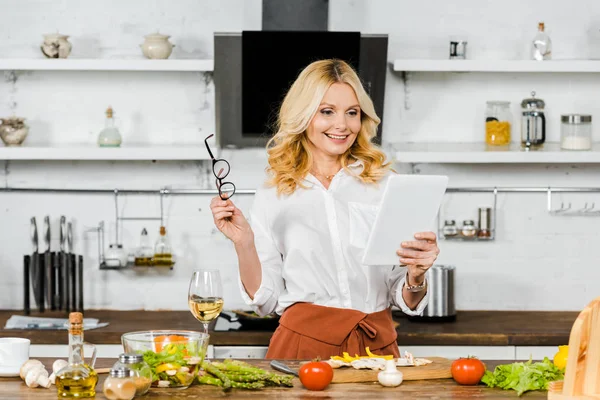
310 245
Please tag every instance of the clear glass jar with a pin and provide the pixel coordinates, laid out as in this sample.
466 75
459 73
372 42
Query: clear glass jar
576 132
140 372
468 229
498 120
119 385
450 229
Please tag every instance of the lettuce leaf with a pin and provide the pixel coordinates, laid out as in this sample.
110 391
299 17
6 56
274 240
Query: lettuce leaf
523 376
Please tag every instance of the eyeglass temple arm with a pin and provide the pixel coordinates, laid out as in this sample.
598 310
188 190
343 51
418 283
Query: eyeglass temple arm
208 148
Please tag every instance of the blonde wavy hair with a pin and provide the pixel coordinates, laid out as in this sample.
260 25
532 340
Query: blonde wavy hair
290 159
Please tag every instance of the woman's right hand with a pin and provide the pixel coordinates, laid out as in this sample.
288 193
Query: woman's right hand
230 220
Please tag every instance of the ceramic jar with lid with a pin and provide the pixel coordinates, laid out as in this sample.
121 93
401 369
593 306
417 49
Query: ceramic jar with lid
115 256
157 46
13 131
56 45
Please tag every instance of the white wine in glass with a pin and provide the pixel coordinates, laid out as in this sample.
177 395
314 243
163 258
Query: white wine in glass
205 296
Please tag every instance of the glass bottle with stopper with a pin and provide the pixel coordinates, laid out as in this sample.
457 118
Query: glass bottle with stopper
109 136
541 46
163 256
77 379
144 253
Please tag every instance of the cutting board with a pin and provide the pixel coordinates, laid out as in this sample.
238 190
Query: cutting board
438 369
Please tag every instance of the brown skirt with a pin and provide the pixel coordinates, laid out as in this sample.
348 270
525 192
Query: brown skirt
307 331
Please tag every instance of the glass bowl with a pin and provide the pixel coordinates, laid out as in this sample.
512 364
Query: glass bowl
174 356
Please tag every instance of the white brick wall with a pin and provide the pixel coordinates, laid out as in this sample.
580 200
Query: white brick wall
538 262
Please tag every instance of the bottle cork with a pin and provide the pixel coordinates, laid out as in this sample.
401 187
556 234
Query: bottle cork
76 318
163 231
109 112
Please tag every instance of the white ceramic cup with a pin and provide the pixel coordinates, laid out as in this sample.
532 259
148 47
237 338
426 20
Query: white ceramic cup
13 354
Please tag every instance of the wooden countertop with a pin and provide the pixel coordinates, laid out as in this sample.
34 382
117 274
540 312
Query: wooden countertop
471 328
15 389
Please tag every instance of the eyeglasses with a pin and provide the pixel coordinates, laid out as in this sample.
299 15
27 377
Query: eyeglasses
220 169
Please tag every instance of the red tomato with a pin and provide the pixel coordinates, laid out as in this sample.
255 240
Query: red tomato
316 375
468 371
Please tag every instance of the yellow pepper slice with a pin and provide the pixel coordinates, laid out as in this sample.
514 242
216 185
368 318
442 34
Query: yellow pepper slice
371 355
167 367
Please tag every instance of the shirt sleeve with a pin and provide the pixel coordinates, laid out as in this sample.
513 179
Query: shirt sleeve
271 262
396 281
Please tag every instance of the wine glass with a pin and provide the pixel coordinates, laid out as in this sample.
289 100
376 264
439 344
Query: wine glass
205 296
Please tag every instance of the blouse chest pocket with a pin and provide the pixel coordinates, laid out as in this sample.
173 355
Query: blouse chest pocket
361 219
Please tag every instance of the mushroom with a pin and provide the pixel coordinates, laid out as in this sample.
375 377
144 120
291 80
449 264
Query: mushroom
184 369
37 377
57 366
28 365
194 360
164 384
171 372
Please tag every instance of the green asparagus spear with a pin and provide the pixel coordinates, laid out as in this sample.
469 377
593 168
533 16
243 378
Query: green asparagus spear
209 380
207 366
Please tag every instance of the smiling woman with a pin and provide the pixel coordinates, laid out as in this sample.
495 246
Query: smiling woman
301 257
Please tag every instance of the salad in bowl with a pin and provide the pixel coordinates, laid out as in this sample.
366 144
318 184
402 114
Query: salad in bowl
173 356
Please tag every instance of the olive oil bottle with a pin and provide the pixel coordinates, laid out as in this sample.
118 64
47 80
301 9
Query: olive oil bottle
163 256
77 379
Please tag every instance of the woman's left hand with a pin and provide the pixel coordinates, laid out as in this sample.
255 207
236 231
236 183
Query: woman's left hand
419 255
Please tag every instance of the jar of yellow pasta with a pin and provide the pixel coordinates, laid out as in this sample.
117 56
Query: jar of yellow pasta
497 123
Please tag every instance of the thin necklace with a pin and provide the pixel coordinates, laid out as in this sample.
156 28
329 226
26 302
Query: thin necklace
328 177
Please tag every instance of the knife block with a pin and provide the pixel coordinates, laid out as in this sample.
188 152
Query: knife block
582 375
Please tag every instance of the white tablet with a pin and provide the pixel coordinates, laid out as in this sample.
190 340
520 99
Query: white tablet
409 205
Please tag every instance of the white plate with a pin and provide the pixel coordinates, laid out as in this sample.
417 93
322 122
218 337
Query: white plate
9 371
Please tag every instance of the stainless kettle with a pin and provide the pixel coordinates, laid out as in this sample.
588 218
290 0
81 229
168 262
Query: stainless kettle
533 122
440 285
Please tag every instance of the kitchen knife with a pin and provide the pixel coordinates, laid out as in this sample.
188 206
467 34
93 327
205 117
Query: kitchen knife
80 283
36 270
33 271
71 266
26 305
66 301
279 366
47 269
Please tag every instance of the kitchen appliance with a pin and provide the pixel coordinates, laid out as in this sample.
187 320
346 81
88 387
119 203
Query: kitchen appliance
533 122
254 69
440 286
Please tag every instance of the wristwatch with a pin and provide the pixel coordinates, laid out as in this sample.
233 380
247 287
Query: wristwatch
415 288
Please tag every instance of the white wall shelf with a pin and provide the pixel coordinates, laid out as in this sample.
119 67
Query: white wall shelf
480 153
496 66
74 64
93 153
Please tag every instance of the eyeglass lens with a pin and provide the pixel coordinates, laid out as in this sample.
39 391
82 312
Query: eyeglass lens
221 169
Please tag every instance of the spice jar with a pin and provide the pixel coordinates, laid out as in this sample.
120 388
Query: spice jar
485 222
119 385
468 229
497 123
139 371
576 132
450 229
